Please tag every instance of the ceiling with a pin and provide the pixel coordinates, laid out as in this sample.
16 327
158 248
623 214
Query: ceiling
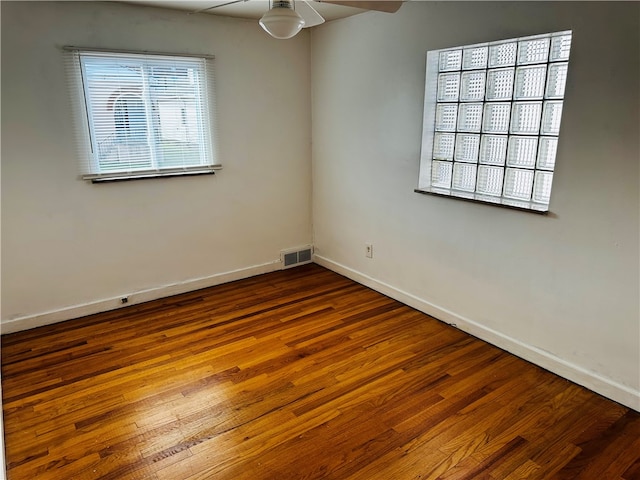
244 8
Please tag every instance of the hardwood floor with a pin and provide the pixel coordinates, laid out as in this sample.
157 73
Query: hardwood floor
299 374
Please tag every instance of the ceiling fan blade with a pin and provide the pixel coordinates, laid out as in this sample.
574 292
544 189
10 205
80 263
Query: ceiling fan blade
308 13
389 6
223 4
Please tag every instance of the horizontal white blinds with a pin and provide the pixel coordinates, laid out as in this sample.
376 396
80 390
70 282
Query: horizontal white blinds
146 113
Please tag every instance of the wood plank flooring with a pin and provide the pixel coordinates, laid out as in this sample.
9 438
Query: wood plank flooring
299 374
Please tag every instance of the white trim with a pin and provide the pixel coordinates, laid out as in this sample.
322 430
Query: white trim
591 380
76 311
71 48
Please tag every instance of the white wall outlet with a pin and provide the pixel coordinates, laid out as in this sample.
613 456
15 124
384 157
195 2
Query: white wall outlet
368 250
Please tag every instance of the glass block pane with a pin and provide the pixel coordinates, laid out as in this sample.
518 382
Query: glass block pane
500 84
441 174
443 145
493 149
530 82
490 180
467 147
522 152
469 117
450 60
446 115
518 183
560 47
464 177
542 187
472 88
547 153
525 118
496 117
534 50
448 87
556 80
474 58
503 54
551 118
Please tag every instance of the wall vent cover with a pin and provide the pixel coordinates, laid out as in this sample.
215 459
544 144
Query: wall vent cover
296 256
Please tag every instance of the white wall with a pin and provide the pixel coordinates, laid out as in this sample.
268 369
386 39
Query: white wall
561 290
70 247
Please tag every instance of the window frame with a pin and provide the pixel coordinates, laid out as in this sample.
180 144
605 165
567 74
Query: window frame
443 91
205 118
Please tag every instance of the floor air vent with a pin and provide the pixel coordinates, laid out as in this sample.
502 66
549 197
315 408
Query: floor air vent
296 256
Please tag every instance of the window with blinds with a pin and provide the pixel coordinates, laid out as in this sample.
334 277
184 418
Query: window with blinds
492 119
146 115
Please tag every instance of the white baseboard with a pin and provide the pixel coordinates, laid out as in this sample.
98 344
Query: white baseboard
47 318
591 380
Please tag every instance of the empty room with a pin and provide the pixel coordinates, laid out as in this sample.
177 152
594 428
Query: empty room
320 240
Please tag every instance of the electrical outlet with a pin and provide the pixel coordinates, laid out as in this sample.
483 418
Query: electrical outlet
368 250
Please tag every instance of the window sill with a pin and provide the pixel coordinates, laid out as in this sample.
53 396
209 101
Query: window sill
532 207
146 174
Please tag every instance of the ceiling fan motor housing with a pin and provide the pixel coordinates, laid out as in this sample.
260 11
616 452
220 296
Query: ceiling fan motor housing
282 4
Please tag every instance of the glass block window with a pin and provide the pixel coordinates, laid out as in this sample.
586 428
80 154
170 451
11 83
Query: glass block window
492 120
